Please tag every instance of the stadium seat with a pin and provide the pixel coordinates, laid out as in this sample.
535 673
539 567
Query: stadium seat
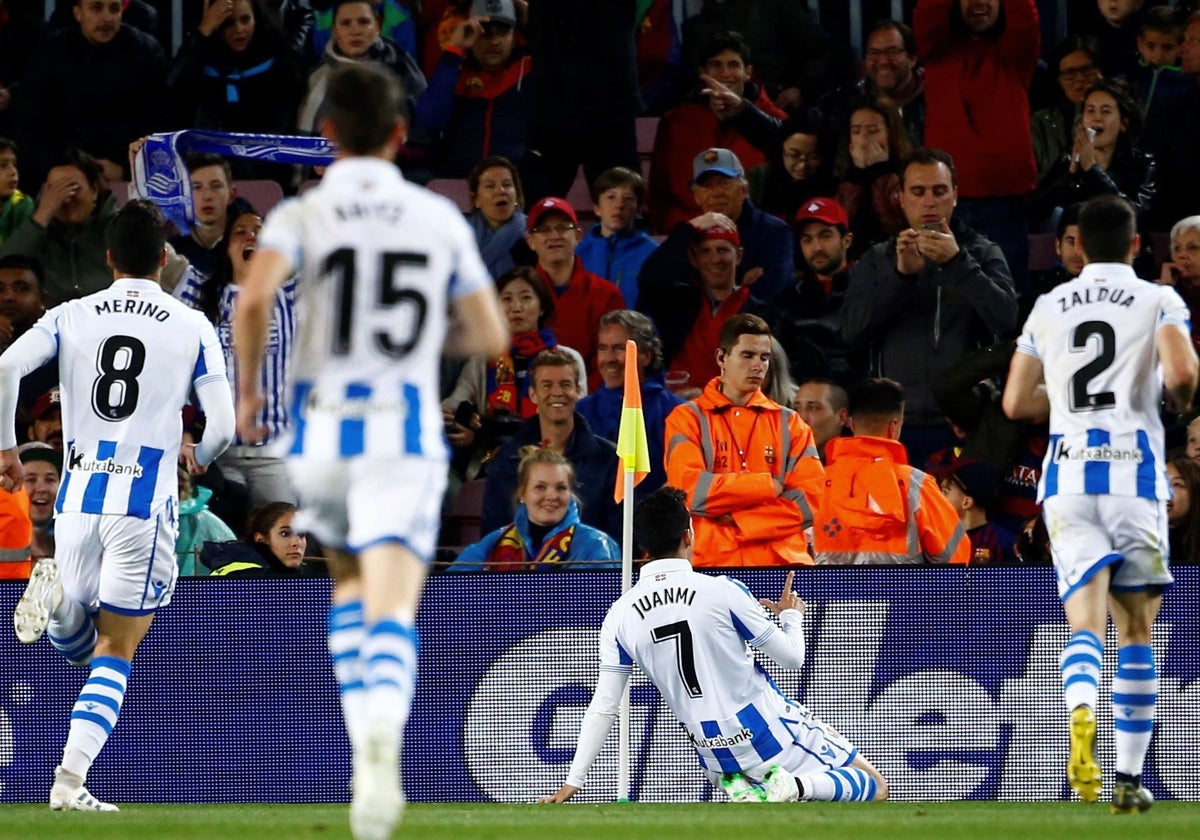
580 196
1042 256
466 514
646 128
455 189
262 195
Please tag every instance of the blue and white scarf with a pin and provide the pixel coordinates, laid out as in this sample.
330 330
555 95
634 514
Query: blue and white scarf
159 173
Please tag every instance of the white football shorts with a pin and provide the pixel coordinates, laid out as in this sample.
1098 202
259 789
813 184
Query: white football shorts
122 564
357 502
1089 532
814 748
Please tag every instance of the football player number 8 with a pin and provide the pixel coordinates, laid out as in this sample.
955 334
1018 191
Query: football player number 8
680 634
342 265
115 392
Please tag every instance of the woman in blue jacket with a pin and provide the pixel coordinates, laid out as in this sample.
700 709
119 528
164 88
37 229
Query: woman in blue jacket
546 532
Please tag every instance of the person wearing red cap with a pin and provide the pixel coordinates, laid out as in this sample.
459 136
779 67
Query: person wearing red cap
691 311
580 296
805 316
720 186
45 425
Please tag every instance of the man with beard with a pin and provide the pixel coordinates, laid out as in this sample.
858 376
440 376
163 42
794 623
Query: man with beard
45 418
806 317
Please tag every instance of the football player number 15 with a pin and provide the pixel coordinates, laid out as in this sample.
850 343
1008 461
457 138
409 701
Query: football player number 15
342 264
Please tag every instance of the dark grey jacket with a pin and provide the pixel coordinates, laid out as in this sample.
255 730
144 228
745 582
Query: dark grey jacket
915 328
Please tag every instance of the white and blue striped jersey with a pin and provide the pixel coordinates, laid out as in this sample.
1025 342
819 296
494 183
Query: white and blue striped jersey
1095 337
281 334
691 635
128 359
379 262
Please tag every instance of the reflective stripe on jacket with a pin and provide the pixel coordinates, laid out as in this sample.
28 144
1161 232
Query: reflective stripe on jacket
16 535
877 510
726 458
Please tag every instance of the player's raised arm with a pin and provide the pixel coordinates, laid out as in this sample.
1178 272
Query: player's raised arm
251 322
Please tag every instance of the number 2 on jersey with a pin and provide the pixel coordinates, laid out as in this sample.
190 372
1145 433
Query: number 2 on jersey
1081 399
681 634
343 264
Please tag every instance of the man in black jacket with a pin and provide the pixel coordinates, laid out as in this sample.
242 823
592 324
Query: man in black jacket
97 85
921 300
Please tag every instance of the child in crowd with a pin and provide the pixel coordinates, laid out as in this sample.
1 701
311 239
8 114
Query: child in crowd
1156 78
1117 27
971 487
15 206
613 248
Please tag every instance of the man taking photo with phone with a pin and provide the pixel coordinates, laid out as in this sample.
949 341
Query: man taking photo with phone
923 299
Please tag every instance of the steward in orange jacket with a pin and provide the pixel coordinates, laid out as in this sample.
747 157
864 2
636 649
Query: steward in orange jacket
16 535
750 470
877 510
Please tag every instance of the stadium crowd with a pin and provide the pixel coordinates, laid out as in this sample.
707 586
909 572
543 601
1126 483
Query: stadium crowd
823 262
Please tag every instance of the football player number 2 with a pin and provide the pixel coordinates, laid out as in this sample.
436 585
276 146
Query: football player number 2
342 264
679 634
1089 334
119 361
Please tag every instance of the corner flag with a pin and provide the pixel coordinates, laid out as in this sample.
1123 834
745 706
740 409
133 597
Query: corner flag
632 446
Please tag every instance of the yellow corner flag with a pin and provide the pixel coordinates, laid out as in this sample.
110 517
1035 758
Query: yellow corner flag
632 446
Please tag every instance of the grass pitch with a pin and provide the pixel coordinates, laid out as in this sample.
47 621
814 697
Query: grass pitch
836 821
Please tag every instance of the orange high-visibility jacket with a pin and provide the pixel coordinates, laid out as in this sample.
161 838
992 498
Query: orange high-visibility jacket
726 458
16 535
877 510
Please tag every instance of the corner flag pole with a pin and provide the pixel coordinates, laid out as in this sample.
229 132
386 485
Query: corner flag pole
634 451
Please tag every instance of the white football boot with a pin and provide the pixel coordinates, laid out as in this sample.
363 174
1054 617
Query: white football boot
378 799
41 598
67 794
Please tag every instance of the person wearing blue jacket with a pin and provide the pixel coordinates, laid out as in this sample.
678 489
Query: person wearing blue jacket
478 100
555 390
546 532
602 408
614 248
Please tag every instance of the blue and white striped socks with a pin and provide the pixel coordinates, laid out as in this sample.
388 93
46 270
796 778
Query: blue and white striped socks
390 654
1080 665
347 630
95 713
843 784
1134 695
72 633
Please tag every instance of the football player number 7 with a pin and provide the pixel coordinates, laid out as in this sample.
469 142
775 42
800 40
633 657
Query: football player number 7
680 634
342 263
